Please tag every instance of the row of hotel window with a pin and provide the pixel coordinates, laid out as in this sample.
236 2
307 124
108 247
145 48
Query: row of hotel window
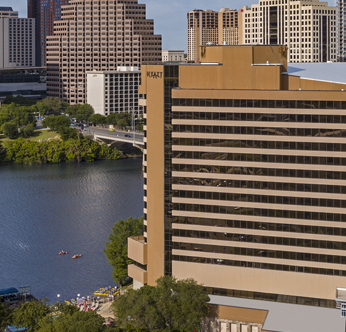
258 144
263 117
272 131
265 185
258 158
249 198
245 170
300 256
266 266
264 226
281 241
250 211
316 104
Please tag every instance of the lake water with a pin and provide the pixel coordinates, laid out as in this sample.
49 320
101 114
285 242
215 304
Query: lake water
72 207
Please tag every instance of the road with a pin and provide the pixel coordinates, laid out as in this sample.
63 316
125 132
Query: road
106 132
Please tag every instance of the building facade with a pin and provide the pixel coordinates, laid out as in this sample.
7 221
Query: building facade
172 56
97 35
45 12
114 91
17 40
243 186
341 11
207 26
308 28
7 12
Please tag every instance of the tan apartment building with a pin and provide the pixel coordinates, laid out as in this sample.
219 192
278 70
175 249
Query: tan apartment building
207 26
17 40
173 56
244 183
308 28
97 35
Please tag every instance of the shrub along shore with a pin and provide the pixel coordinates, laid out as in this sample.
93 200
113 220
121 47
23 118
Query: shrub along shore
22 151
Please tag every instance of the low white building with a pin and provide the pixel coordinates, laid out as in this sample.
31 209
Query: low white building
114 91
172 56
17 40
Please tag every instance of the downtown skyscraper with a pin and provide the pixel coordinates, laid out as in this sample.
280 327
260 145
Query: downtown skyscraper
341 10
307 28
45 12
97 35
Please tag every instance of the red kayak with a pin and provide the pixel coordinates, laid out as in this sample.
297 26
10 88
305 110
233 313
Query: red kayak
62 253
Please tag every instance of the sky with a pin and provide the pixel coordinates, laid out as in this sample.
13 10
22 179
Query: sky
169 16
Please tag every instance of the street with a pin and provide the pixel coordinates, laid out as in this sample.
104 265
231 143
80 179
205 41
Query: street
106 132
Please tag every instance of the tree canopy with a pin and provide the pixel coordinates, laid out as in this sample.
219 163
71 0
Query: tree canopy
119 119
73 321
56 122
116 248
23 151
5 314
80 112
55 105
97 119
29 314
172 306
38 316
10 130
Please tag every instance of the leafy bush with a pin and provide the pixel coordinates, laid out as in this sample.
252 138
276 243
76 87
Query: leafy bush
56 122
10 130
23 151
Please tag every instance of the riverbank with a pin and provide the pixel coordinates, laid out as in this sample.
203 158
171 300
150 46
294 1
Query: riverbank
28 152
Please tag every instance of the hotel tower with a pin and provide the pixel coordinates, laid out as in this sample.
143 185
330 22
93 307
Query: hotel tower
244 170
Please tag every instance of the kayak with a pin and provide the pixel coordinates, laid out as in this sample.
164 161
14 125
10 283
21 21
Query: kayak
76 256
106 291
62 253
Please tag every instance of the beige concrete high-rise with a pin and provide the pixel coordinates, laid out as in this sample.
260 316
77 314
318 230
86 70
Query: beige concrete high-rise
97 35
207 26
308 28
244 183
17 40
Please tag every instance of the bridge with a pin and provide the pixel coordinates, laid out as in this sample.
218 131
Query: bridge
118 139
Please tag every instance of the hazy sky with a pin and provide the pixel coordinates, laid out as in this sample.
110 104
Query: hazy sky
169 15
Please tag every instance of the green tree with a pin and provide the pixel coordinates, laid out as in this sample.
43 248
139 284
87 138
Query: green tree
75 321
67 133
5 314
80 112
112 119
56 122
40 108
84 112
97 119
29 314
10 130
116 248
173 305
29 130
55 105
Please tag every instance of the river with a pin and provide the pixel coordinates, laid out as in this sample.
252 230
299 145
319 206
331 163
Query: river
48 208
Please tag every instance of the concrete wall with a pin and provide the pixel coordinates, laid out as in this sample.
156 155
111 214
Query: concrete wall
96 92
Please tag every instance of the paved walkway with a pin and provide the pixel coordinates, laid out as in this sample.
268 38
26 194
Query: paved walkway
105 310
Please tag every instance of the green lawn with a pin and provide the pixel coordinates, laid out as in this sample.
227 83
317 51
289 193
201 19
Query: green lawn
38 134
43 134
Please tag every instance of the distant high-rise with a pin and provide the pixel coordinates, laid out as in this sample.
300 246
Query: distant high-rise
308 28
341 9
207 26
45 13
97 35
17 40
